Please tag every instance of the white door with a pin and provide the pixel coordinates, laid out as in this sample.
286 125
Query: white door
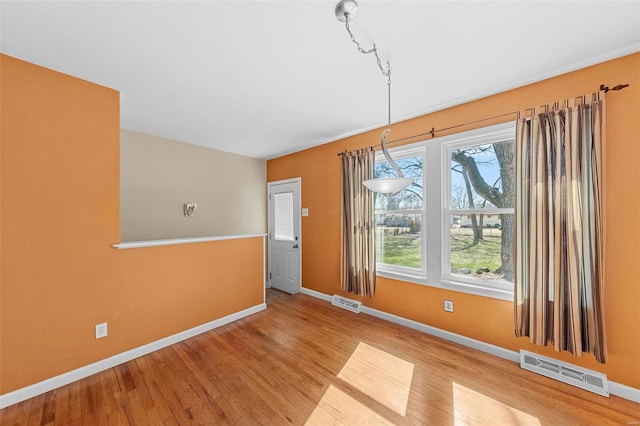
284 235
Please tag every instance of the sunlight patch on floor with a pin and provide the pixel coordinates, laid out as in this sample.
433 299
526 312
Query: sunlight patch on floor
379 375
338 408
471 407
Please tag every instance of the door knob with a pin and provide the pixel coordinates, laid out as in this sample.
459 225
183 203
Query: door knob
295 246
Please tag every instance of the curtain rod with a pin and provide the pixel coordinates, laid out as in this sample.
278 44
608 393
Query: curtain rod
433 131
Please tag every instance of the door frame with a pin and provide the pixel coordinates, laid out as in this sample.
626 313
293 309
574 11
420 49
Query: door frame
298 201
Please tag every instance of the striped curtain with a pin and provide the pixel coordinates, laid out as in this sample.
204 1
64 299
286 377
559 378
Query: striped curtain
358 253
559 275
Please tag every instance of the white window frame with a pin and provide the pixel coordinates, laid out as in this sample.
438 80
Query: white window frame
435 217
406 271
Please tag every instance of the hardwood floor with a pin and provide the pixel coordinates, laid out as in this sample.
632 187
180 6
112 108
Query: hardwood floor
273 295
305 361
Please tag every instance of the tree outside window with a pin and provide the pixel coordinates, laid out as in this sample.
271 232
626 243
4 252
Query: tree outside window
453 227
482 195
399 216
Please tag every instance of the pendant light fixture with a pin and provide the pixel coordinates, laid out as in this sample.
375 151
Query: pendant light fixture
346 11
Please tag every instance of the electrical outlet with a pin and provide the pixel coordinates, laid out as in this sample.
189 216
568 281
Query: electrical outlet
101 330
448 305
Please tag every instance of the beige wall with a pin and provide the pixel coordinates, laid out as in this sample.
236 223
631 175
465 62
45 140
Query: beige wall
158 175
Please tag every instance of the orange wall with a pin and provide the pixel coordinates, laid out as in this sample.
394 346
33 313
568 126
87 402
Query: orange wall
481 318
59 217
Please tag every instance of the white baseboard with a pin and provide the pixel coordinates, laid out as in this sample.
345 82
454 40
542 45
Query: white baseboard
446 335
315 294
623 391
82 372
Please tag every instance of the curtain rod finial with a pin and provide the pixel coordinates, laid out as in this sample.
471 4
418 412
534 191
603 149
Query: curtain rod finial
618 87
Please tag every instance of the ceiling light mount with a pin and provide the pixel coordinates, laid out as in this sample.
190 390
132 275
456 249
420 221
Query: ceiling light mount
345 12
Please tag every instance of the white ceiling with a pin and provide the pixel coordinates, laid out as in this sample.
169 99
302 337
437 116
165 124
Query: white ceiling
266 78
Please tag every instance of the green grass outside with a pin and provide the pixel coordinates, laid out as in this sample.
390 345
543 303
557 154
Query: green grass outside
404 250
485 254
401 250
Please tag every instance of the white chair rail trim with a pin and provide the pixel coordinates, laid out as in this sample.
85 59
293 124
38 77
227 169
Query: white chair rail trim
174 241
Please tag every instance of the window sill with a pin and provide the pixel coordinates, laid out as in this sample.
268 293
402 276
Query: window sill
450 285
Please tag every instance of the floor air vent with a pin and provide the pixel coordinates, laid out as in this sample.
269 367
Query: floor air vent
577 376
348 304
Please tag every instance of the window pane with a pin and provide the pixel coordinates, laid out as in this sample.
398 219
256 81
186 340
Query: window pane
489 166
481 246
409 198
283 212
399 239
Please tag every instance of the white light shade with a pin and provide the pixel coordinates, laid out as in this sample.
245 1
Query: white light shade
388 185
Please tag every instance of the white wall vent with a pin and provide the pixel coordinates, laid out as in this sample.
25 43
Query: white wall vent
348 304
577 376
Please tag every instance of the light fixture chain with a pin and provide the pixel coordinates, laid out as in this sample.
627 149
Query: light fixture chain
344 9
386 72
389 99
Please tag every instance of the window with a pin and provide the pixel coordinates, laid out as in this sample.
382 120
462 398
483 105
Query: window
283 216
481 197
399 217
453 227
